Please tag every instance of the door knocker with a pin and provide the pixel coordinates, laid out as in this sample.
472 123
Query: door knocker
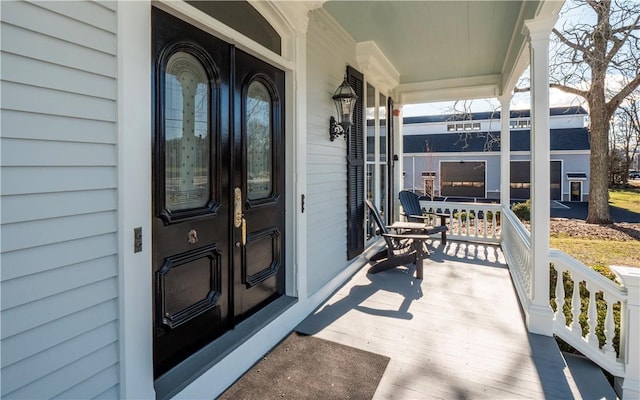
193 236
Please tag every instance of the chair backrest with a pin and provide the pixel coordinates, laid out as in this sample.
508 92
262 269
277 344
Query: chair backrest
377 217
410 204
378 220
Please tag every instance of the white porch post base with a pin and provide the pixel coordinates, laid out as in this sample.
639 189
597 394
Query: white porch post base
540 320
630 278
631 389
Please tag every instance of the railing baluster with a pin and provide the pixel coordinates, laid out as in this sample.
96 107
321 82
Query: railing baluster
560 296
484 223
466 222
475 223
494 224
609 329
592 320
575 307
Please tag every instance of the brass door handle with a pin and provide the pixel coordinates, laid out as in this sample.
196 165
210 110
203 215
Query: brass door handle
244 232
237 208
238 217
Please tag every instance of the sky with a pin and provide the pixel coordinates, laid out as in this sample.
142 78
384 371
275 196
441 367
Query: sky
520 101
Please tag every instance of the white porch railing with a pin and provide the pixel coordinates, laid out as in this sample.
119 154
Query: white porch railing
474 222
603 294
516 247
609 294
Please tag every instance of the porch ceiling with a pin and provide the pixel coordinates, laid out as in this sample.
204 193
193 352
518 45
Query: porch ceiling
440 47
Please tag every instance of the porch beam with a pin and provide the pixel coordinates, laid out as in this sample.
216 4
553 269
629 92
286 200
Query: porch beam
540 315
476 87
505 150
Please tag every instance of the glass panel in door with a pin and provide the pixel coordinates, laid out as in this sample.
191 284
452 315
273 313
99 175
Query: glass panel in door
187 143
259 137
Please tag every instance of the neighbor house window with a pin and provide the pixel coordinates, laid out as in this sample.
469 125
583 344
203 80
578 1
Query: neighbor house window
462 178
520 123
462 127
520 173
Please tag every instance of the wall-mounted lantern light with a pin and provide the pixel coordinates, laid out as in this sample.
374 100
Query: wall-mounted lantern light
345 99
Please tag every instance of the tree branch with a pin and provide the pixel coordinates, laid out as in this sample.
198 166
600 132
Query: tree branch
569 89
521 90
623 93
617 43
627 28
569 43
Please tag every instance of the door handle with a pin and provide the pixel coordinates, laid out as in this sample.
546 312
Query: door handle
238 217
244 232
237 207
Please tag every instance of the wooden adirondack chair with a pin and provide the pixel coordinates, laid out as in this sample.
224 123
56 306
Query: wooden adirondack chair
413 213
402 248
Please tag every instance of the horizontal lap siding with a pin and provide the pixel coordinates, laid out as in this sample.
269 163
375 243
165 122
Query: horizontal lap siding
59 282
329 50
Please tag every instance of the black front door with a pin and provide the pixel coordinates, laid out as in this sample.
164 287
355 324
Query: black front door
258 177
218 188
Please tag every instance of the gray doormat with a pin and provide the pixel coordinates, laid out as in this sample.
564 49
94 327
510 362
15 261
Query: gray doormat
306 367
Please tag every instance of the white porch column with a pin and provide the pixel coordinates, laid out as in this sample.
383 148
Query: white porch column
540 315
505 150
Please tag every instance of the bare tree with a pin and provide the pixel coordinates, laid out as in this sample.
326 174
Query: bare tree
631 110
599 61
624 140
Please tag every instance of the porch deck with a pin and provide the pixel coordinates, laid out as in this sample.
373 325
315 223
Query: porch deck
457 334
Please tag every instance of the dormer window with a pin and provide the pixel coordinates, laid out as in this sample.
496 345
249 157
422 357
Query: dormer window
463 127
520 123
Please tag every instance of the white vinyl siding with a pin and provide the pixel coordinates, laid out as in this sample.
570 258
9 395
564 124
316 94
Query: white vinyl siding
328 51
59 282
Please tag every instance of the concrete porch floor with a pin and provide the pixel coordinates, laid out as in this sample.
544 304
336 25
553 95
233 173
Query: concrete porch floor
457 334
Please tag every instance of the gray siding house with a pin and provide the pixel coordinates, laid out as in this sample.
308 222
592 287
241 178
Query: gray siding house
440 149
171 203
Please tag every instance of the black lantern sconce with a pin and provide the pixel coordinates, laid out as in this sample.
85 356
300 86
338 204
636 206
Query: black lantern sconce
345 99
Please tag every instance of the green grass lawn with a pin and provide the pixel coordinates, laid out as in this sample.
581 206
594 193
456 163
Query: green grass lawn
629 199
600 253
597 253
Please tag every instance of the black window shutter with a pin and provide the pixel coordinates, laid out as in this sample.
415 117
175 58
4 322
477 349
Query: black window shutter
355 170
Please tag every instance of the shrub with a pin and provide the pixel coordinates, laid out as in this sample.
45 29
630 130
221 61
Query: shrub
463 215
490 216
522 210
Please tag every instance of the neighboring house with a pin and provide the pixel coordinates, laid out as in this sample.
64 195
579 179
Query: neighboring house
449 157
172 206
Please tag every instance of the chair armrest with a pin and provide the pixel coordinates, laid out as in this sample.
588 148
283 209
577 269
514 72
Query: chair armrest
437 214
412 236
424 217
443 217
